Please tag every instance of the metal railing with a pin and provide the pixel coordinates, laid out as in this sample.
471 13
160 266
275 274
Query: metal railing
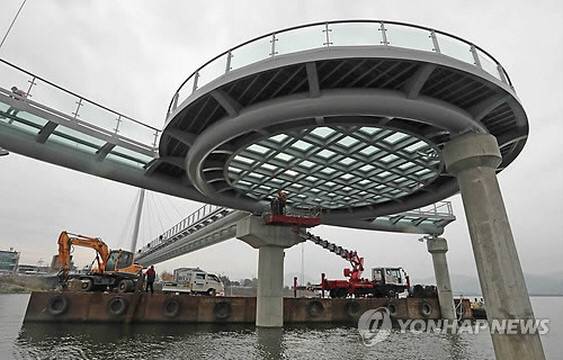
440 208
196 218
333 34
75 106
199 218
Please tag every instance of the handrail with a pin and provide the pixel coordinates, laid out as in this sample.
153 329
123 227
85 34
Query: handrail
472 47
208 210
196 217
117 118
437 208
78 96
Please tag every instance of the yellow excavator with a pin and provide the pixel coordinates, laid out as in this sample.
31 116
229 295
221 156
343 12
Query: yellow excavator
114 269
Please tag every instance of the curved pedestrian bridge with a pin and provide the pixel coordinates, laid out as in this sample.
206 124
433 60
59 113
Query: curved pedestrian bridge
61 127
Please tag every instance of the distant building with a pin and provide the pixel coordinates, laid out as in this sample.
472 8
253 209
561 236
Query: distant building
9 261
33 269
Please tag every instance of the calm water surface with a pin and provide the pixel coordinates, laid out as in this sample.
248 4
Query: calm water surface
78 341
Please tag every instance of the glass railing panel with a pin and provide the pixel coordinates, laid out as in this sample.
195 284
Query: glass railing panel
301 39
250 53
132 155
25 121
3 109
185 91
32 119
10 76
53 97
72 144
455 48
75 139
356 34
488 64
135 131
212 71
409 37
97 116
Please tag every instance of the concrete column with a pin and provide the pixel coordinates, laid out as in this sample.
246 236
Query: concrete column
270 240
269 297
473 159
438 248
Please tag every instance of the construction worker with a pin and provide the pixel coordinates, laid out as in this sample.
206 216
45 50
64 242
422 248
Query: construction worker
277 205
150 276
18 95
282 200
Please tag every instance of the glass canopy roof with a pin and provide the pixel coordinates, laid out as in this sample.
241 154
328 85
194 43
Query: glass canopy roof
335 166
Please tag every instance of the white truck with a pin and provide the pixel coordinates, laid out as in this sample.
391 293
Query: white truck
194 281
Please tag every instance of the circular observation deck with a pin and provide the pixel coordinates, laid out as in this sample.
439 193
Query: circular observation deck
348 116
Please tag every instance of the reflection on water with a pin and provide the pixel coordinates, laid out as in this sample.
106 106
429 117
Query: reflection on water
212 341
157 341
269 343
230 342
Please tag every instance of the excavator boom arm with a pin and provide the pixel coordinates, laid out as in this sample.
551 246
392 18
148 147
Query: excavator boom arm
67 240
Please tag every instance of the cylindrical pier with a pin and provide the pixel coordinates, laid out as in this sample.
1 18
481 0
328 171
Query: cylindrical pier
473 159
438 248
269 299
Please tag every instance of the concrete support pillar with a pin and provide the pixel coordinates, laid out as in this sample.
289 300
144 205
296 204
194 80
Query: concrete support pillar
473 159
270 240
269 297
438 248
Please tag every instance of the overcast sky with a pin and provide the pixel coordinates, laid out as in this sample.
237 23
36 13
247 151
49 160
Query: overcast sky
132 55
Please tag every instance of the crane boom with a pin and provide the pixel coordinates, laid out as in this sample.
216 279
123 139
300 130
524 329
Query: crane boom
351 256
387 282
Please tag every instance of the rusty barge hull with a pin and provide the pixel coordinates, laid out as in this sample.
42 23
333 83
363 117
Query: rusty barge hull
71 307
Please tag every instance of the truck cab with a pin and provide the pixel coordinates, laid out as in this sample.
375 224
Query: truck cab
390 280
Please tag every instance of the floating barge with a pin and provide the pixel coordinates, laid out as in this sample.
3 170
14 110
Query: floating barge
158 307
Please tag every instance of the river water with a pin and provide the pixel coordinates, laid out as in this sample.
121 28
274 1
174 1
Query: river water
84 341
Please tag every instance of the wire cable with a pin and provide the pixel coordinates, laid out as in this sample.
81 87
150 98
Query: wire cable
158 216
12 23
147 217
174 207
162 207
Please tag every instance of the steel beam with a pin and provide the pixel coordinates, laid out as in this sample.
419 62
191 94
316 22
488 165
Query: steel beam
313 79
104 151
231 106
482 109
416 82
184 137
46 131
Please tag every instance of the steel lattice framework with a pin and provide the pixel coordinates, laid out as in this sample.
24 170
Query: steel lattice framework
332 167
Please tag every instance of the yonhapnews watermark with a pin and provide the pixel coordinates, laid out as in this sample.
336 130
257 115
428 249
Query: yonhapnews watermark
375 325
